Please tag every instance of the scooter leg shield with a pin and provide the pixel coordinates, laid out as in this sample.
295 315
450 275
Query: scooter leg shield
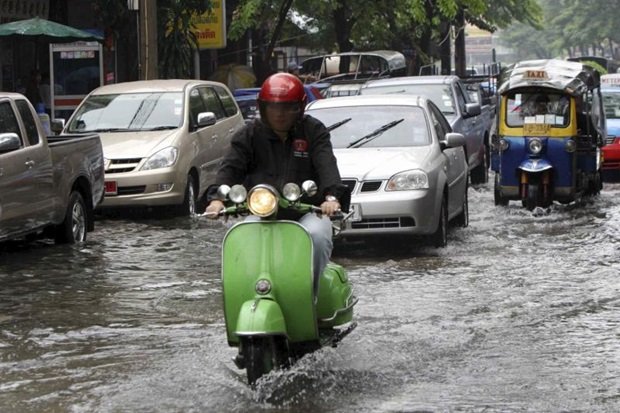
262 316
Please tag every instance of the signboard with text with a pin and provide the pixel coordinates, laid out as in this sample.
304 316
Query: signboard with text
210 27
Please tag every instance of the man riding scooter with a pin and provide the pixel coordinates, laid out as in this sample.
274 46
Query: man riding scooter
283 146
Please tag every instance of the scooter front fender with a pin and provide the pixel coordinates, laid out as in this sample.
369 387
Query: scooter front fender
535 165
260 316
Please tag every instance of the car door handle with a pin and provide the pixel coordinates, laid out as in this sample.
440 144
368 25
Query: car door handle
231 130
29 164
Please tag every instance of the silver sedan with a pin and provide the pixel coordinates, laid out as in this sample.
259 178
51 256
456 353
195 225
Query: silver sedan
405 167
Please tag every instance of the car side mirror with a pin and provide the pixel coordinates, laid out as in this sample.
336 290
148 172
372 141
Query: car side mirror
9 142
472 109
206 119
453 140
57 125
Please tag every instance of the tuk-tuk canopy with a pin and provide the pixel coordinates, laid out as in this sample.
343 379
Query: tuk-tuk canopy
573 78
354 65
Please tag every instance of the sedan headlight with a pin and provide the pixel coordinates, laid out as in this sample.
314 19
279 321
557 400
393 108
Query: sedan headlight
535 146
408 180
263 201
162 159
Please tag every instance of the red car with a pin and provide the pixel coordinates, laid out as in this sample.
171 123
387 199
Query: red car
611 151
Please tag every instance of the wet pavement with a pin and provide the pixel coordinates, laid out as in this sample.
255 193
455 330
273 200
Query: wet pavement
521 312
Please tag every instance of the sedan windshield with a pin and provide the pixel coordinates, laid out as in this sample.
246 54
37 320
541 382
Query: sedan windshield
407 125
440 95
129 112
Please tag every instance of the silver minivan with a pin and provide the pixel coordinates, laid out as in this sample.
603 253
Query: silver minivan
162 139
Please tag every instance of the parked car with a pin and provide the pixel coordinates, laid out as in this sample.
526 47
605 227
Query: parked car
611 151
48 185
405 167
451 97
162 139
247 99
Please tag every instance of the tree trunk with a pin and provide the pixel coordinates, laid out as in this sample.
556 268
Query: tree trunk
460 60
343 27
445 49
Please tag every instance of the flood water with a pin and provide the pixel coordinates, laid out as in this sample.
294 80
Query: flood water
521 312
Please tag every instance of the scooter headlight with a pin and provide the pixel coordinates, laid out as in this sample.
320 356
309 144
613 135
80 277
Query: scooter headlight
570 146
263 287
291 192
263 201
535 146
237 194
503 145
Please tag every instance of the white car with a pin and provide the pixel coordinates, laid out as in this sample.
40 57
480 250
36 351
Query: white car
464 115
405 167
162 139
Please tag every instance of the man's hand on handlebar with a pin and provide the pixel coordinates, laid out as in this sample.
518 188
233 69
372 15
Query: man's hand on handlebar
214 208
329 208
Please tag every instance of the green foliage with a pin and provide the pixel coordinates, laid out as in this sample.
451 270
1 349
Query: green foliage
177 41
596 66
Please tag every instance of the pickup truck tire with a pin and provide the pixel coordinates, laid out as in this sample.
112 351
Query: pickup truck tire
480 174
73 228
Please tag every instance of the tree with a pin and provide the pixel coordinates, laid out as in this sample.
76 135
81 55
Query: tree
176 41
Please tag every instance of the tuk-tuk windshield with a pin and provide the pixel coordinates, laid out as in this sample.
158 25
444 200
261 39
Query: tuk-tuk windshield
537 108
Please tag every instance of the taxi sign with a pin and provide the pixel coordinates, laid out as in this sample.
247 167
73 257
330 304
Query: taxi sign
535 75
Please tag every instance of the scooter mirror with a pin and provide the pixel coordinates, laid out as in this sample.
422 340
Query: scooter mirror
309 187
222 192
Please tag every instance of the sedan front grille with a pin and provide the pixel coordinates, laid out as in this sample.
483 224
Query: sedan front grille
131 190
350 183
399 222
371 186
122 165
610 139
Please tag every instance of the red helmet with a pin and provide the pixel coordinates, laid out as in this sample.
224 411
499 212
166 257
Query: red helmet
282 88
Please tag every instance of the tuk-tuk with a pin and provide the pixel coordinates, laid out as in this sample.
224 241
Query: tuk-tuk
550 130
356 67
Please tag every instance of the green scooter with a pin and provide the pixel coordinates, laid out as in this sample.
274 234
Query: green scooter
274 313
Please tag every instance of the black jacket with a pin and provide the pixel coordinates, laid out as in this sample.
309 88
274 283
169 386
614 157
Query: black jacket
258 156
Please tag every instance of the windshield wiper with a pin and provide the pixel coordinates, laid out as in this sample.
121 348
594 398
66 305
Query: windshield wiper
160 128
107 130
337 124
375 133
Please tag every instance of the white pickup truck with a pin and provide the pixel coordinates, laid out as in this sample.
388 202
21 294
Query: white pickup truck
49 186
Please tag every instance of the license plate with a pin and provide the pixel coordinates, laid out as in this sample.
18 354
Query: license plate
357 213
111 188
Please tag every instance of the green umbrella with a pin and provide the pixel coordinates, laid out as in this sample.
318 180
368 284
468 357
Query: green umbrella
46 31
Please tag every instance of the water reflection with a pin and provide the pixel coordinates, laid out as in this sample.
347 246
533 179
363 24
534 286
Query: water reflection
519 312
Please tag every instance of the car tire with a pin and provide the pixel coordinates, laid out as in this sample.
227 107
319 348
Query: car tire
440 236
480 174
188 207
462 219
74 227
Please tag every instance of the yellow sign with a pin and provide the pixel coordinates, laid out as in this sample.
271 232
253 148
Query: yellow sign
535 74
210 27
536 129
